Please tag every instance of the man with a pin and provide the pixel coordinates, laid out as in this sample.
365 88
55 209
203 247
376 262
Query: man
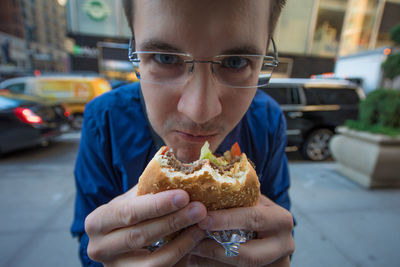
188 94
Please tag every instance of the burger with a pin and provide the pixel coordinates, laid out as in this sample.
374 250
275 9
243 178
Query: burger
219 182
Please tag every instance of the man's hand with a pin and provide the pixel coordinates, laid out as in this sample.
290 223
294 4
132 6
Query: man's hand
273 225
120 229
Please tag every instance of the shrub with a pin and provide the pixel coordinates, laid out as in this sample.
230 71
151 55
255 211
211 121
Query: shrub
391 66
379 112
395 34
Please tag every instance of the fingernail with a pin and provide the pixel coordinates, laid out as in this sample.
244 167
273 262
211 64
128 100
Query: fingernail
206 223
180 201
196 213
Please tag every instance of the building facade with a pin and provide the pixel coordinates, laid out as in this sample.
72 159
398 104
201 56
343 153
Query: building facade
32 37
312 33
13 56
98 37
46 28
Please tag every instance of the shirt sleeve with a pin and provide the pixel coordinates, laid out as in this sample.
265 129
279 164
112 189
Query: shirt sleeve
275 176
96 180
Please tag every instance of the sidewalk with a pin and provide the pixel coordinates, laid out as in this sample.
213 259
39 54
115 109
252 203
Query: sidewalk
339 223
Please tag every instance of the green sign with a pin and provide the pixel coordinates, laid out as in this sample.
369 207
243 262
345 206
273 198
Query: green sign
97 10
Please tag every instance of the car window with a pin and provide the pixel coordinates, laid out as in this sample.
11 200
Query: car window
295 96
280 94
262 80
17 88
312 96
325 96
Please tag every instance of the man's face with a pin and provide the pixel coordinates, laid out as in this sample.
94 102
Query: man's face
201 109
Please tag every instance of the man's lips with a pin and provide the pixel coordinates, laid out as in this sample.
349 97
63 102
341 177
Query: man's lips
195 138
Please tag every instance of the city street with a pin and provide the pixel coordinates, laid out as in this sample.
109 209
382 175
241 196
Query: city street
339 223
36 202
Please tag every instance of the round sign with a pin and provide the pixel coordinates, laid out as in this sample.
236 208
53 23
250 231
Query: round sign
97 10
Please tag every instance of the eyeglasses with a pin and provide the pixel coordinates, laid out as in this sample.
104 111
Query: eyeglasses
234 70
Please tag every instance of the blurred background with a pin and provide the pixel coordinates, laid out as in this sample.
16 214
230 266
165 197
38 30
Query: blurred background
88 36
339 76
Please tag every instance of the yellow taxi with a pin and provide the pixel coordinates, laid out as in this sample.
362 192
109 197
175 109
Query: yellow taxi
73 91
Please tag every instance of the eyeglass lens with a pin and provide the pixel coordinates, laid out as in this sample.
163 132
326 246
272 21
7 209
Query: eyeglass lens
230 70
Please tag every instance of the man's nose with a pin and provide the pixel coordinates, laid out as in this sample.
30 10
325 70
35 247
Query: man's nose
200 100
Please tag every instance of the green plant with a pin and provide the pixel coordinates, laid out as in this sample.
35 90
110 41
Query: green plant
379 112
395 34
391 66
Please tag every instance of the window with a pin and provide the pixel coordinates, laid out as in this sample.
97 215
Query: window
295 96
358 26
17 88
293 25
390 19
311 96
328 27
334 96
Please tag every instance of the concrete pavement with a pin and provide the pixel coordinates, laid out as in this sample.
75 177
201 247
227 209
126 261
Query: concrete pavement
339 223
36 205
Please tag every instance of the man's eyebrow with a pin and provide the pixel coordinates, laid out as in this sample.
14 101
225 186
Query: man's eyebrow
156 45
251 50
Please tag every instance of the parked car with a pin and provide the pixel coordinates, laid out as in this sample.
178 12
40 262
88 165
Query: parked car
26 121
313 109
75 91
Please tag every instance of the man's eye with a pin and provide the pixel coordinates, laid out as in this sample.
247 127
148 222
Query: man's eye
166 58
235 62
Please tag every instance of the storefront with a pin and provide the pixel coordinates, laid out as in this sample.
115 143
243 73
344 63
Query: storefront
325 29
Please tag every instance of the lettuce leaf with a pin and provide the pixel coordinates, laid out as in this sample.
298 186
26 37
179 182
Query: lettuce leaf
206 153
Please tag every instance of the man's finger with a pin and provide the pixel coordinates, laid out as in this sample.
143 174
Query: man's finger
264 215
171 253
168 254
145 233
129 210
237 218
256 252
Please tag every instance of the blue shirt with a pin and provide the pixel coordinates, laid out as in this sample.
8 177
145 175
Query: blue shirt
117 144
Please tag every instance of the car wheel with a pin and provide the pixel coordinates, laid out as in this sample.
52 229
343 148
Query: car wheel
316 146
77 121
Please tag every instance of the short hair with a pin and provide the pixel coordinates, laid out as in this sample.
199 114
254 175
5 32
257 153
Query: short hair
276 8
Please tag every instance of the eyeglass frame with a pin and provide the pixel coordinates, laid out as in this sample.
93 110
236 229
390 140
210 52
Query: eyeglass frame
274 64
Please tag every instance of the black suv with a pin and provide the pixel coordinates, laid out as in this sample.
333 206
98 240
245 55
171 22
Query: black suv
313 108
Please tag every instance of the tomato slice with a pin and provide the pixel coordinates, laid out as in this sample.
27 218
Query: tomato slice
165 150
235 150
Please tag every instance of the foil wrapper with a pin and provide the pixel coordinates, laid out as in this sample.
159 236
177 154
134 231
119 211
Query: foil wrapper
230 240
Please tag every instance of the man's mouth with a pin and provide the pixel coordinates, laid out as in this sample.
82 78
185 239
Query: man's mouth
194 137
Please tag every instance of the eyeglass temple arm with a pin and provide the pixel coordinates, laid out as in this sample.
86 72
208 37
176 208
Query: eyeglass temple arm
276 56
131 49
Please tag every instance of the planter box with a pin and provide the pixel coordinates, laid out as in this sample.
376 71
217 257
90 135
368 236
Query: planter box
372 160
